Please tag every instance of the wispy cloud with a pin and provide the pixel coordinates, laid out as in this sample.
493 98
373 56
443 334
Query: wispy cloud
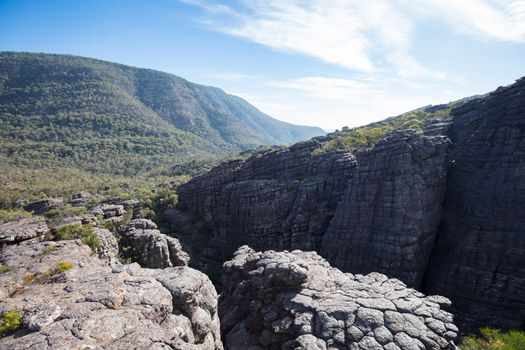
366 36
487 19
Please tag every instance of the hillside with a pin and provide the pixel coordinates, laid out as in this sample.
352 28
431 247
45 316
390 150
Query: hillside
109 117
86 115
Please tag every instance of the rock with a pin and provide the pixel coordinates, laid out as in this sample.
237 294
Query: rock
388 217
80 198
13 232
43 206
94 306
112 212
278 199
296 300
108 249
478 259
145 245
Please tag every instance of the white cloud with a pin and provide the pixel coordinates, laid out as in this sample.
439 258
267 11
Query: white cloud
488 19
346 33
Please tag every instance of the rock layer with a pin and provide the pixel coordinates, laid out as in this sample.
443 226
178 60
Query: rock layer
13 232
388 217
282 300
479 256
99 307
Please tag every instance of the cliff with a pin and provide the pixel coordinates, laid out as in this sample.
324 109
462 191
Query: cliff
442 210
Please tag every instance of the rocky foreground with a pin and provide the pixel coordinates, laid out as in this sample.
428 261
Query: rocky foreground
271 300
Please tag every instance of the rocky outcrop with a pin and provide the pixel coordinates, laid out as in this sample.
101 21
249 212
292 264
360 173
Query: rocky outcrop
43 206
279 199
94 306
111 212
143 243
447 218
388 217
80 198
478 260
295 300
109 248
13 232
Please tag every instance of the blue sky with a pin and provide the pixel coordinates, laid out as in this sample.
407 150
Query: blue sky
328 63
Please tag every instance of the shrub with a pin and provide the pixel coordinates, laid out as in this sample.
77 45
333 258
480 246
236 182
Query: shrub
62 266
10 322
14 214
83 232
5 268
492 339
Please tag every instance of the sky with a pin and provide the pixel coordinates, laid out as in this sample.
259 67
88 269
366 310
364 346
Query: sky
328 63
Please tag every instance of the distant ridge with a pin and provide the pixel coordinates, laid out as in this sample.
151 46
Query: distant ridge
62 110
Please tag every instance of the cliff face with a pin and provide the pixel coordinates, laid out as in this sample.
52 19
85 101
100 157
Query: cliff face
281 199
411 199
387 219
479 256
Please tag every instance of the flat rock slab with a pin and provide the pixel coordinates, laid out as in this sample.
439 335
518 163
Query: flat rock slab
13 232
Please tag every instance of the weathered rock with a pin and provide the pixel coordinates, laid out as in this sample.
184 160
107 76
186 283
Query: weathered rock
94 306
112 212
295 300
13 232
45 205
108 249
80 198
478 260
388 217
279 199
144 244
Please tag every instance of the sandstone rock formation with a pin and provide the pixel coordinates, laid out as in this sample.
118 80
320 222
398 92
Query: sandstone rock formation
388 217
446 218
144 244
479 256
111 212
13 232
80 198
282 300
279 199
94 306
43 206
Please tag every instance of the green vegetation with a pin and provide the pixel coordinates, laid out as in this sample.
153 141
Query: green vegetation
62 266
10 322
83 232
492 339
5 268
13 214
70 123
367 136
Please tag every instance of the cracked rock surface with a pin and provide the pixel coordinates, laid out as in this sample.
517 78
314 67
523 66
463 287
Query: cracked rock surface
95 306
296 300
13 232
150 248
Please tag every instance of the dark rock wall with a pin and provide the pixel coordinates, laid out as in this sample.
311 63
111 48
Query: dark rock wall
393 208
479 256
388 217
281 199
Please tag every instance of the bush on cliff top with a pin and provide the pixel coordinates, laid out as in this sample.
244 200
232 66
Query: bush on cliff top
83 232
10 322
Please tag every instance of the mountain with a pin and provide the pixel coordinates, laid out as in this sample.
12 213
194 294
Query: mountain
103 117
434 197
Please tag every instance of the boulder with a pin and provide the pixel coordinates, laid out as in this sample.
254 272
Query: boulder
296 300
80 198
141 241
